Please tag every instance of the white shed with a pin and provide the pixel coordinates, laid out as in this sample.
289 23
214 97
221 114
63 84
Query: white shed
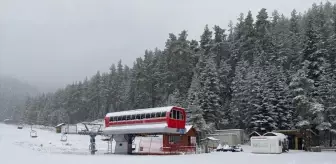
267 144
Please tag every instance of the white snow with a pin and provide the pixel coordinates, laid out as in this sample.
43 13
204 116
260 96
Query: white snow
141 111
282 136
17 147
139 128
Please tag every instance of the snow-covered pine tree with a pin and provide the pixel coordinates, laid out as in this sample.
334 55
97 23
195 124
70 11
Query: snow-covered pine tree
240 96
301 86
261 100
210 100
196 119
312 55
295 43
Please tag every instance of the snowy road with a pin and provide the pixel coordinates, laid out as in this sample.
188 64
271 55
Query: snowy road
16 147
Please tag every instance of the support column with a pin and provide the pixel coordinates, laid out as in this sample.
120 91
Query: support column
130 139
121 146
296 142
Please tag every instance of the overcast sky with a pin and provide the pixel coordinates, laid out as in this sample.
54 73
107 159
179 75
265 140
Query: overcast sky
50 43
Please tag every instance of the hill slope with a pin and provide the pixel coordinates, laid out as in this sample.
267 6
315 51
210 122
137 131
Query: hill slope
13 94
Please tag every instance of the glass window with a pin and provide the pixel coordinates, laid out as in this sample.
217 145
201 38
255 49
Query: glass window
143 116
163 114
123 118
178 115
153 115
128 117
133 117
174 139
174 114
171 114
138 116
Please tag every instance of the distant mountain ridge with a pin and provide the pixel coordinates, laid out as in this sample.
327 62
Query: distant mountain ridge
13 94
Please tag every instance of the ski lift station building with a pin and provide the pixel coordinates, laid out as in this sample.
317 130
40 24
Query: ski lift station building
167 124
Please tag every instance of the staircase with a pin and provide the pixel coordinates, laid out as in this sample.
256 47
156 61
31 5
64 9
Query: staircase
109 145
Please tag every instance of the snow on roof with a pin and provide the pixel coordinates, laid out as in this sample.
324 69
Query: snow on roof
255 132
211 138
138 129
61 124
141 111
282 136
225 130
188 127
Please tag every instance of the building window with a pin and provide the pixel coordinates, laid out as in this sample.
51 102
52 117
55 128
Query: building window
174 139
143 116
178 115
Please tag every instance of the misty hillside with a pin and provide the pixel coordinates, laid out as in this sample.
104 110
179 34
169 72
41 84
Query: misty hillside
13 95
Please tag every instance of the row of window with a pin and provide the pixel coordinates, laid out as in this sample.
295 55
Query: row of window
174 114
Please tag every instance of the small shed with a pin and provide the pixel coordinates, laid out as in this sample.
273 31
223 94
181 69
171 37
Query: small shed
267 144
210 143
59 127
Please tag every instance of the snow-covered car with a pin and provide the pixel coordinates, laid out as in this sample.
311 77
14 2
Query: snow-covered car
223 148
237 148
226 148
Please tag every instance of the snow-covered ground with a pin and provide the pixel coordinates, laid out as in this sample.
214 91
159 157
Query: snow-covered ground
17 147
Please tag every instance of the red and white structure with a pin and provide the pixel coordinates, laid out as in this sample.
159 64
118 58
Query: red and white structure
159 120
124 126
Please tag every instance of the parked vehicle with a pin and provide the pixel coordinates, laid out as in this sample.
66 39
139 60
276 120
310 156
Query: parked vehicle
237 148
226 148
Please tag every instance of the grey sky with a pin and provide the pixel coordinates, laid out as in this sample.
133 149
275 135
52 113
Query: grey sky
50 43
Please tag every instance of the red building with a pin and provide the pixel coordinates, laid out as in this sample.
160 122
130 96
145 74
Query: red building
167 143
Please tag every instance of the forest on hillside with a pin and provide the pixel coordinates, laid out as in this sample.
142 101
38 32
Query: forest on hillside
13 95
271 72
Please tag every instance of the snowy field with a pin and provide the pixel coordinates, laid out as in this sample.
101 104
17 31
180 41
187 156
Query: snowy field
17 147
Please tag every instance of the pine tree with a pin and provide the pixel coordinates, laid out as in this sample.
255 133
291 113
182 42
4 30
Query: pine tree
240 96
196 118
248 48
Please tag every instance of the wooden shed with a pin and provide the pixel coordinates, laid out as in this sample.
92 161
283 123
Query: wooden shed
186 141
168 143
59 127
300 139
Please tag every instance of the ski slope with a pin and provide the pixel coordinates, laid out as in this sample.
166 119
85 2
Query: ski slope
17 147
